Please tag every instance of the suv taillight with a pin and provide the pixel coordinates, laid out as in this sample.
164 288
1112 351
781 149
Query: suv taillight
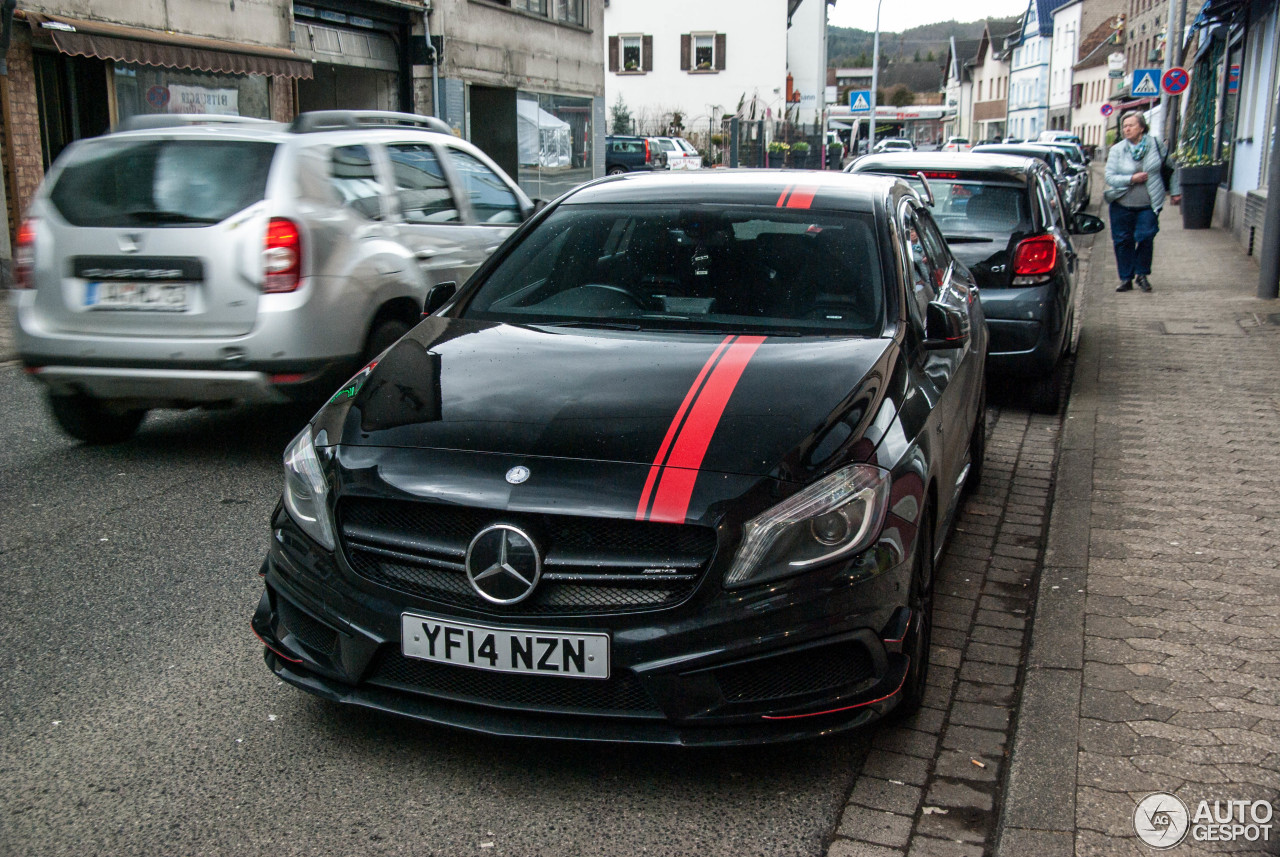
24 256
1034 258
648 156
282 256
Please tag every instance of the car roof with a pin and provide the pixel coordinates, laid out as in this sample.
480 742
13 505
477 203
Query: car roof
1008 167
795 189
1036 149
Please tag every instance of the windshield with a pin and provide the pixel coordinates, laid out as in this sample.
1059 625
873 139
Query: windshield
161 182
665 267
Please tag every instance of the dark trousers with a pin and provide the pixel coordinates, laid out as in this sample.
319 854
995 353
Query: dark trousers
1133 231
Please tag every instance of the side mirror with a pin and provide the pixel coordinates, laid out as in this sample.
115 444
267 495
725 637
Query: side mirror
945 327
1087 224
439 296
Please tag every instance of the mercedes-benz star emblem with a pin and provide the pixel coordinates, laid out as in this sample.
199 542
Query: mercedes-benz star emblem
503 564
516 475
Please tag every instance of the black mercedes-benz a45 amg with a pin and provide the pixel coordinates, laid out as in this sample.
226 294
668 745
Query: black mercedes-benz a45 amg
674 466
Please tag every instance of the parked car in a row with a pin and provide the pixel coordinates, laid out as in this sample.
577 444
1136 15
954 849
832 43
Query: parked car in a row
956 144
893 144
630 154
1073 183
681 154
1004 219
674 467
203 262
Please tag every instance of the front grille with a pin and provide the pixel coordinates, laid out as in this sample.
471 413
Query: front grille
590 565
817 670
620 694
313 634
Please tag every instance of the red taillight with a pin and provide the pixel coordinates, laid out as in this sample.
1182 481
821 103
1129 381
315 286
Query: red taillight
24 256
282 256
647 155
1035 257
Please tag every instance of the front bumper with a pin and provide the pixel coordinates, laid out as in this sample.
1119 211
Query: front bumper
774 663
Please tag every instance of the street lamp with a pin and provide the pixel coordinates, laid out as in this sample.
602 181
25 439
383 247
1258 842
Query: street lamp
875 79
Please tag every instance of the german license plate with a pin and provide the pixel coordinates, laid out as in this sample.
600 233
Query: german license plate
158 297
507 650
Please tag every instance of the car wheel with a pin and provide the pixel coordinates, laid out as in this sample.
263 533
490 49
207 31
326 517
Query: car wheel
977 446
617 171
1048 391
382 336
95 421
920 632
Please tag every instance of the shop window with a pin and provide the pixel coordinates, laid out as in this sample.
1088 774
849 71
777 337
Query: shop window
150 89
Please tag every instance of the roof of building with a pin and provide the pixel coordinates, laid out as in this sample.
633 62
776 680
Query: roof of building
1092 54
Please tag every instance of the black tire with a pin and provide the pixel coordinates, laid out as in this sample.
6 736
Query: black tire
920 632
1048 391
617 171
95 421
977 447
382 336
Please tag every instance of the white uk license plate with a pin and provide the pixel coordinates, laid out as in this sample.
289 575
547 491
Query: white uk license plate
508 650
158 297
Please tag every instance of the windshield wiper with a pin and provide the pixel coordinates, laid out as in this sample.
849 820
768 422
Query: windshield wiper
156 215
610 325
967 239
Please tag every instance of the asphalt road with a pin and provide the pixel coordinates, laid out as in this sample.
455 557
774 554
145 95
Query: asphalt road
139 719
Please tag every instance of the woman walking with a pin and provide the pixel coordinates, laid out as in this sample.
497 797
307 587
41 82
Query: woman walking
1136 192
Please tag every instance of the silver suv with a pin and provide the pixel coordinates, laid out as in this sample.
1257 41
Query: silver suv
205 264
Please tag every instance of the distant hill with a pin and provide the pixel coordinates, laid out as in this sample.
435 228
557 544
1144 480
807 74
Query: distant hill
851 48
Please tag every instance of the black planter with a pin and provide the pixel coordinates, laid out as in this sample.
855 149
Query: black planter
1199 193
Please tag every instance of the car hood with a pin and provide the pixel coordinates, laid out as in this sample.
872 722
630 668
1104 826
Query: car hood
742 405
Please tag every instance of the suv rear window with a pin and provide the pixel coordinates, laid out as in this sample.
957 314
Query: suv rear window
161 182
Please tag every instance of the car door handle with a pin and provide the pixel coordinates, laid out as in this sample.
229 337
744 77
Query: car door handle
425 253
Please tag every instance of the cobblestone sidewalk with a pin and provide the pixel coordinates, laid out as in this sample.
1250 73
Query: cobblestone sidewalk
1155 650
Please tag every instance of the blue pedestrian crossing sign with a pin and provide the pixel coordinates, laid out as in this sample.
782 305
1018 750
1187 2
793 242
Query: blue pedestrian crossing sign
1146 81
860 100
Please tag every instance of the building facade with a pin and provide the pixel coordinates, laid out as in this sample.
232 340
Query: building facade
679 66
1063 52
991 81
1029 70
807 58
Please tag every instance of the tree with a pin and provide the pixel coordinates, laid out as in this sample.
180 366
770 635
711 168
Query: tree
863 61
620 117
916 58
901 95
931 57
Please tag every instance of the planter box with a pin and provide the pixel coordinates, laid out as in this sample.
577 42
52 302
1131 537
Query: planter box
1199 193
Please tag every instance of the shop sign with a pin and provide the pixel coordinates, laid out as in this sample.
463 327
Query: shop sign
203 99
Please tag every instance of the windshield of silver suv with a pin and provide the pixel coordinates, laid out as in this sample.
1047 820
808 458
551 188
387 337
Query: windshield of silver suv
657 267
161 182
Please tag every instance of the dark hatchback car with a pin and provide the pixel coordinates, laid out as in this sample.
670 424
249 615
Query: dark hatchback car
1002 217
673 467
1071 183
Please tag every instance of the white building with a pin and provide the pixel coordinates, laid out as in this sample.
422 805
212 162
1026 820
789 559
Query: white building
1063 53
991 81
1029 70
687 64
807 57
1092 86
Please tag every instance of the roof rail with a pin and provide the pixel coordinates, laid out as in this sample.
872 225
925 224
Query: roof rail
145 121
335 120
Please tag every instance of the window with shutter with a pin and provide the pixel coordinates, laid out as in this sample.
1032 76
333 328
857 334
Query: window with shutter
686 52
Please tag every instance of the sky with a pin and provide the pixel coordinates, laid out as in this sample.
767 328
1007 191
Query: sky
899 15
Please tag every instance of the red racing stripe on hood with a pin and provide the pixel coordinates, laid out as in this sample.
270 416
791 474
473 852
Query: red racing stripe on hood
679 472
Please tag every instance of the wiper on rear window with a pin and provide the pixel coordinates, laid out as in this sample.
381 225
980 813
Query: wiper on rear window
155 215
967 239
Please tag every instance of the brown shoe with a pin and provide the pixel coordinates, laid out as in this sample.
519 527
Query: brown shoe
1143 283
1126 286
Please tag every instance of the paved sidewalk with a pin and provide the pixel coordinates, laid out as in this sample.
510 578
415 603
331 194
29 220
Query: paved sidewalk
1154 663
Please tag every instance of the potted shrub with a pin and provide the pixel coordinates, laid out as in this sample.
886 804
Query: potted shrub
1199 175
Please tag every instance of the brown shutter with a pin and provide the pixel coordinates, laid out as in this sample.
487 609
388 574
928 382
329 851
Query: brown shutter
646 53
686 49
720 51
613 53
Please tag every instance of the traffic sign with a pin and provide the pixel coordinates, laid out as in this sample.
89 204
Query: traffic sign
1233 79
1175 81
860 100
1145 82
1107 110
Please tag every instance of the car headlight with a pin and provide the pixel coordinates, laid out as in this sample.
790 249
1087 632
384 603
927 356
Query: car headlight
305 491
835 517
